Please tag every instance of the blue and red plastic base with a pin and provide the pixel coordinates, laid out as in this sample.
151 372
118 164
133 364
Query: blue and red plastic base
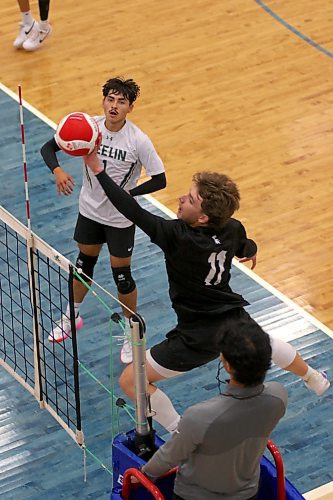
124 457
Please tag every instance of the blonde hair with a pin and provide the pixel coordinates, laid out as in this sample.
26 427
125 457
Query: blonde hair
220 197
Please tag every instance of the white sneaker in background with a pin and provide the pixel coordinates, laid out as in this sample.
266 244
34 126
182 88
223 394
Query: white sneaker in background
24 32
63 329
317 382
36 37
126 353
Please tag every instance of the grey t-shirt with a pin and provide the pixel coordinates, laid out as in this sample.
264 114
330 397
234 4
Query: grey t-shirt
220 442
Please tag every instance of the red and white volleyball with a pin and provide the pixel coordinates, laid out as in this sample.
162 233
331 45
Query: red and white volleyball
77 134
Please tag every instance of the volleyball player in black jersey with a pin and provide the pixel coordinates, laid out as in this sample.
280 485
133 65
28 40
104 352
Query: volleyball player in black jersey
199 247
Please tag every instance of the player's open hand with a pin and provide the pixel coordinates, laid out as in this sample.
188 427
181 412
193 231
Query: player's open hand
64 182
92 161
253 259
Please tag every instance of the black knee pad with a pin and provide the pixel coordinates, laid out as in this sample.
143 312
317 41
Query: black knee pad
123 279
86 263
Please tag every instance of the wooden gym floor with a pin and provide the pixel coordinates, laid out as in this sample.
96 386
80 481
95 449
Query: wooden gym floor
239 86
242 87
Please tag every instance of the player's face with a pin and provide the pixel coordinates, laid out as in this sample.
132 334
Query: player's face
116 107
190 210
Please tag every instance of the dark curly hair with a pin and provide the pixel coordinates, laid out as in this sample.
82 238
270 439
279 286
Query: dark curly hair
118 85
220 197
247 348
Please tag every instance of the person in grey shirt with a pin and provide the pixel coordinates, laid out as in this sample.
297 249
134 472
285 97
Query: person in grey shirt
219 443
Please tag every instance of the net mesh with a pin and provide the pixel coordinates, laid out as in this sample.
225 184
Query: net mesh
15 305
35 287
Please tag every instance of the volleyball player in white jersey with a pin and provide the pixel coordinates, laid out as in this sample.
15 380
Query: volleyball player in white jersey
124 150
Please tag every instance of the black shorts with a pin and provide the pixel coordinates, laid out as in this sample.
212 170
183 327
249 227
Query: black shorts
120 240
195 343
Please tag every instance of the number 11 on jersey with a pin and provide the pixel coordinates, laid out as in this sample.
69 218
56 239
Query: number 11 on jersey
216 261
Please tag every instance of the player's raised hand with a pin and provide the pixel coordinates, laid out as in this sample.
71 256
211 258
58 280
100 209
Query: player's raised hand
64 182
92 161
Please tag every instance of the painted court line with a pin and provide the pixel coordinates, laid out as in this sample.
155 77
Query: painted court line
293 29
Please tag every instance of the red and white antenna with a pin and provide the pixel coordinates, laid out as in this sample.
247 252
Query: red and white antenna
27 201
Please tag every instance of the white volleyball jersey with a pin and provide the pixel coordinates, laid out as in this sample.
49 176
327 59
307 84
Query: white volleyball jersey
123 154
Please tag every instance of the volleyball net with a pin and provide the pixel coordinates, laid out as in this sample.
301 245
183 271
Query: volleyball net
35 286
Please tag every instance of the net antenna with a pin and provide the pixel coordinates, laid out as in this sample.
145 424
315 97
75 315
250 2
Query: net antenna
25 168
30 255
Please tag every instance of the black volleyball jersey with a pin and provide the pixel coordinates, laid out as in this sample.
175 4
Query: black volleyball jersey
198 260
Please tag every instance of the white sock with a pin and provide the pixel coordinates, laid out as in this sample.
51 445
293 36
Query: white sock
27 18
43 25
308 373
76 309
166 414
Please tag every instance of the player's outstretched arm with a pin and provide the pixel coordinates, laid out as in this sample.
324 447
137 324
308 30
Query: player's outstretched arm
123 201
64 182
